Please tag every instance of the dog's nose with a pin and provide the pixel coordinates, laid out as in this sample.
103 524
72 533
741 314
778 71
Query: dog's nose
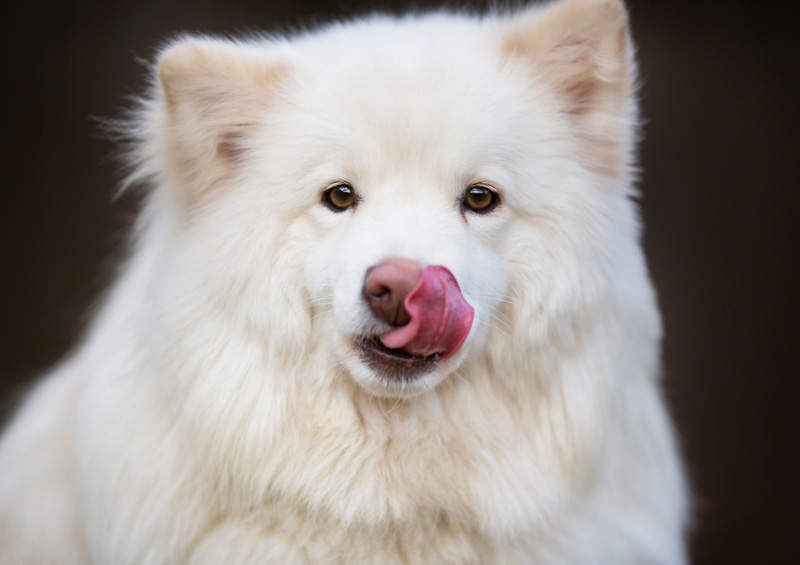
386 286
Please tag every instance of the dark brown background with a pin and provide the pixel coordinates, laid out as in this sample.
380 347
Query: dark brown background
720 202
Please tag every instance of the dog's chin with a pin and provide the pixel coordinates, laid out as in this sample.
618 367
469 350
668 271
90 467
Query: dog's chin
393 372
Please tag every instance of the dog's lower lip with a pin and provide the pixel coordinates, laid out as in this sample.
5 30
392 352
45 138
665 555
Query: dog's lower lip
394 364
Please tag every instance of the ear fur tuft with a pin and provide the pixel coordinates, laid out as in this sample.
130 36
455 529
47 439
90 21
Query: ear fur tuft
214 92
581 48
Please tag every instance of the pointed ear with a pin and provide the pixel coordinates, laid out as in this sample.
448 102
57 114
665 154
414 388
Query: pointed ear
214 93
582 49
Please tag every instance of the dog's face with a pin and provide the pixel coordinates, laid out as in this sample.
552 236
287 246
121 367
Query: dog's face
414 177
379 192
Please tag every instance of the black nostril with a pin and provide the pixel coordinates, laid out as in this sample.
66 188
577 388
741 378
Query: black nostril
378 293
387 305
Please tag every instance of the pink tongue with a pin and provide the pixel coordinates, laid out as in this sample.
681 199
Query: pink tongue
440 316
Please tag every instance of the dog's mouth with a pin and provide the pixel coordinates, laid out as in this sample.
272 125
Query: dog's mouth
394 364
437 319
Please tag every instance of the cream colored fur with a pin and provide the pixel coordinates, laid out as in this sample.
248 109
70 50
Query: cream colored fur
217 411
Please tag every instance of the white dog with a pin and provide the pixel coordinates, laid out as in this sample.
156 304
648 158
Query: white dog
386 304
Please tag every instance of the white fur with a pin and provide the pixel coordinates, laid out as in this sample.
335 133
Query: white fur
217 411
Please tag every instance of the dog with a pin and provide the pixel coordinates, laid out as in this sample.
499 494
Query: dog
386 303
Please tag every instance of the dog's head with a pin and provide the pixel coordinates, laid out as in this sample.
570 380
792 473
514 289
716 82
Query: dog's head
396 196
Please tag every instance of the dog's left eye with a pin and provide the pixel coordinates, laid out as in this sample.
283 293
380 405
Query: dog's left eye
339 197
480 199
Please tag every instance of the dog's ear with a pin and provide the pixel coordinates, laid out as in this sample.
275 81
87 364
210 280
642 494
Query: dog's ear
213 94
582 49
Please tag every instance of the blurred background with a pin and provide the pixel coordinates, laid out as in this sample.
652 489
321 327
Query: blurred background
720 204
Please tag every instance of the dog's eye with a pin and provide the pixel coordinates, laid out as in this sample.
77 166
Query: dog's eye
480 199
339 197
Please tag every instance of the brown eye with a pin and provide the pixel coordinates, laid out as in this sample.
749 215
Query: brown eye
339 198
480 199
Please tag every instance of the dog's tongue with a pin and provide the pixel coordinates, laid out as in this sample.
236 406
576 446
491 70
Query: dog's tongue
440 316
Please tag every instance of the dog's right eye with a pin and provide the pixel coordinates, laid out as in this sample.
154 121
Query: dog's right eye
339 197
480 199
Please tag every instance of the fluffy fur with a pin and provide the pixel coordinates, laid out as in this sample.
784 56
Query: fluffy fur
217 411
